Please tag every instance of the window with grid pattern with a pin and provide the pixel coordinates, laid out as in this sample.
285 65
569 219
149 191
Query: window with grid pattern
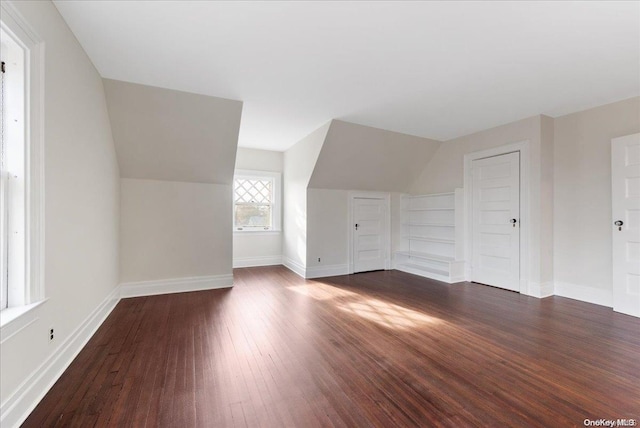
255 202
14 170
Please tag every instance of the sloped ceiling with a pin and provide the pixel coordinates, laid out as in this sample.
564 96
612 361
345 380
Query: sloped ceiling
357 157
163 134
437 69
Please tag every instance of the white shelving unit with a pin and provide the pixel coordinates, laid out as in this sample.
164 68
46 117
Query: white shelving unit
432 236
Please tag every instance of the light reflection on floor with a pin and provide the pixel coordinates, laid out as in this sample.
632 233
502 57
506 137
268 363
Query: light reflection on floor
320 291
388 314
381 312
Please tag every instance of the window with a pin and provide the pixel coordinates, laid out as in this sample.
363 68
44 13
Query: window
21 166
12 170
3 194
256 201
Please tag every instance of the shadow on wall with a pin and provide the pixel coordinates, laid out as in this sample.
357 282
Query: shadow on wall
301 224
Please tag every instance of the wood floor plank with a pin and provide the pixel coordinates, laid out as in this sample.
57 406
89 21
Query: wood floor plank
375 349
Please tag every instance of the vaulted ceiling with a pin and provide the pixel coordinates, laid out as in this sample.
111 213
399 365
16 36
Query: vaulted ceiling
356 157
162 134
432 69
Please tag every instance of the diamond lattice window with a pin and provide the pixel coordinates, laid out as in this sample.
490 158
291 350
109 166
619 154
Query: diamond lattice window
253 191
253 203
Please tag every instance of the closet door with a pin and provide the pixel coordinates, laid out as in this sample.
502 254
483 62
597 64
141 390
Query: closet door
625 193
496 221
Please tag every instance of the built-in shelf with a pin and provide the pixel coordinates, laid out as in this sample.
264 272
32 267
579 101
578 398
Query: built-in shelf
430 195
429 224
432 236
429 272
430 209
430 239
426 256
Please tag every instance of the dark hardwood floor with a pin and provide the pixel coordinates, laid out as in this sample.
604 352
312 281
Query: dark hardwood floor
384 349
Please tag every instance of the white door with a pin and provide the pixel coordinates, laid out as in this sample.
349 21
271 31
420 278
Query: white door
370 234
625 192
496 221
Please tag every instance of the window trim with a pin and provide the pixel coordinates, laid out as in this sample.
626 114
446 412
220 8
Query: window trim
276 205
34 55
4 178
14 215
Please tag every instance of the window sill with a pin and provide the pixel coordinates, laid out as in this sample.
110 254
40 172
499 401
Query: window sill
12 320
257 232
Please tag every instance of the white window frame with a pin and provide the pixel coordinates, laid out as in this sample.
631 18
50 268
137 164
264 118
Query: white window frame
4 184
276 205
26 270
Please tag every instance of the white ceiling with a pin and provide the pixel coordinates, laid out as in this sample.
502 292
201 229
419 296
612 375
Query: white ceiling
433 69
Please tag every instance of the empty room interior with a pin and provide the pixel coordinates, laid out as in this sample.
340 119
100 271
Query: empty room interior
300 214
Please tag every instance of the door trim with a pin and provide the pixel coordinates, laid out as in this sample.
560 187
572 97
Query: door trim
370 195
622 300
525 229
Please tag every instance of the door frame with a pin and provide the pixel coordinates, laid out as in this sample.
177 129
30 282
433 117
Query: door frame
617 207
370 195
525 228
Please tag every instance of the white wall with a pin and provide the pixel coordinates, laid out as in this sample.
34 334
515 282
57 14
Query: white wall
570 192
258 248
397 243
81 216
177 153
163 134
445 172
582 206
327 229
259 160
546 234
174 230
299 162
357 157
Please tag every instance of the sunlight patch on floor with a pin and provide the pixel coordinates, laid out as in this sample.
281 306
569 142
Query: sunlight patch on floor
320 291
388 314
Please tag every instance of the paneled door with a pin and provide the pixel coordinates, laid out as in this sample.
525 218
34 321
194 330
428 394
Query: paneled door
496 221
625 193
370 234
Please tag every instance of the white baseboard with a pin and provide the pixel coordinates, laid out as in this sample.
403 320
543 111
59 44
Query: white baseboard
15 409
456 279
315 271
593 295
423 273
540 290
294 266
240 262
328 270
175 285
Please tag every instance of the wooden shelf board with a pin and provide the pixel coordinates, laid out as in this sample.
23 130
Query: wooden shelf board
429 239
429 224
429 209
426 256
416 267
430 195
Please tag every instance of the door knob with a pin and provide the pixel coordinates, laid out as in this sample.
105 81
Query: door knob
619 223
356 226
513 222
